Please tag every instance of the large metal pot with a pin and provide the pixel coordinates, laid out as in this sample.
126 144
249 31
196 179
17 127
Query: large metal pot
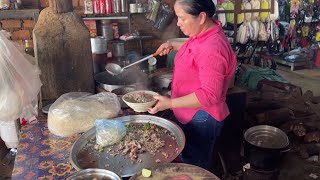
129 77
264 146
122 91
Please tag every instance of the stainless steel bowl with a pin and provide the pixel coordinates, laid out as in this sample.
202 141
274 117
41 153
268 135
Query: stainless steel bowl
101 174
266 137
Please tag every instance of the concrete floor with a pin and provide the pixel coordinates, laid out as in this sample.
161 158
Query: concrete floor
307 79
295 168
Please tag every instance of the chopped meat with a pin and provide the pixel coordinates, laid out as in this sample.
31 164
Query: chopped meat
139 97
140 138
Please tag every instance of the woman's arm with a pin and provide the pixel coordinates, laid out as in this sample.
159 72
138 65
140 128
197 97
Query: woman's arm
170 45
188 101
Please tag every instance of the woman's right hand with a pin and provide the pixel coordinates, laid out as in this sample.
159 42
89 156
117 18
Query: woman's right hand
164 48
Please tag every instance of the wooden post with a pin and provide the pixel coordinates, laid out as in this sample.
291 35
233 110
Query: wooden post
61 6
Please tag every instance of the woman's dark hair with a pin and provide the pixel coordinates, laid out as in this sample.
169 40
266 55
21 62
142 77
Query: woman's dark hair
195 7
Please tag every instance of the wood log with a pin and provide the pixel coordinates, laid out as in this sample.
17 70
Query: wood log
61 6
280 85
309 124
262 106
312 137
267 88
316 100
307 96
315 108
275 96
308 150
274 117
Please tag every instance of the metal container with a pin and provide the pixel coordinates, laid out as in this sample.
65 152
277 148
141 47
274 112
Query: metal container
130 77
162 81
124 5
98 45
107 32
265 136
116 6
265 146
122 91
118 49
80 151
94 174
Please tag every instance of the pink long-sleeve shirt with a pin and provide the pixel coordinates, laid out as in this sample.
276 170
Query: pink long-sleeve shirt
204 65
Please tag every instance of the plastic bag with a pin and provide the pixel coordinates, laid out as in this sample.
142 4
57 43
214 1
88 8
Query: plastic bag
109 132
19 79
76 112
164 17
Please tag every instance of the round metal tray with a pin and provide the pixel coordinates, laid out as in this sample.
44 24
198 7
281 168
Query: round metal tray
177 171
124 166
93 174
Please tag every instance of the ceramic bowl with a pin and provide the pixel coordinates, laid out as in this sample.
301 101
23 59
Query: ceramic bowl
136 103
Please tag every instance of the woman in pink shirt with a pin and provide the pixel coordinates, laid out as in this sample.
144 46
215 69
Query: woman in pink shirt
203 68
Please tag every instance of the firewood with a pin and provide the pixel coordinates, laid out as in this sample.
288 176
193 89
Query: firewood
308 150
274 117
316 100
267 88
275 95
315 108
307 96
311 122
312 137
297 128
262 106
283 86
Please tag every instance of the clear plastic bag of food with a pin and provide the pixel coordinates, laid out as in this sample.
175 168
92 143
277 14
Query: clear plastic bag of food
19 80
109 132
76 112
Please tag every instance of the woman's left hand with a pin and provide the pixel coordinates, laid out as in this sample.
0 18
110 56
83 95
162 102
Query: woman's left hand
163 103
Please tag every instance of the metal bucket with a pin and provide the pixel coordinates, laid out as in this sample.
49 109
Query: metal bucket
130 77
106 30
118 49
99 45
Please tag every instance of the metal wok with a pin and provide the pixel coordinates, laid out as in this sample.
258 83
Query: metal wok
129 77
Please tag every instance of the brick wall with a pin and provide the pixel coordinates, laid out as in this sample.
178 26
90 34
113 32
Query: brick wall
21 29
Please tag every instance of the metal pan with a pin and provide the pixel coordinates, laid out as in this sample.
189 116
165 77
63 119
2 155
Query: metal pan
88 158
177 171
130 77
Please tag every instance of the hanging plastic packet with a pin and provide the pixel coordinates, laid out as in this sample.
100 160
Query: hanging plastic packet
164 17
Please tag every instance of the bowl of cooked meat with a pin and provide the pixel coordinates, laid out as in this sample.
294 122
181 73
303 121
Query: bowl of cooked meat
140 100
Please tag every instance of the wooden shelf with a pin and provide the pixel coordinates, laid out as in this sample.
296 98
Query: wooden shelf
20 14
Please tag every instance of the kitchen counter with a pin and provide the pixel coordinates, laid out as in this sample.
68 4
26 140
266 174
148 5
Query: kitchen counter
42 155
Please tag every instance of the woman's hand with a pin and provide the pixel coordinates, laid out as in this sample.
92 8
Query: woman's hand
163 103
164 48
